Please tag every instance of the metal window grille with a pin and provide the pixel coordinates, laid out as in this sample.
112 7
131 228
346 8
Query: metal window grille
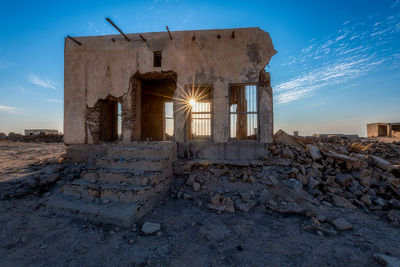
201 120
243 112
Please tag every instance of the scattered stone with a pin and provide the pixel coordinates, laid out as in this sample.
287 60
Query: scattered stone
196 186
388 261
381 163
150 228
294 184
341 224
315 152
340 201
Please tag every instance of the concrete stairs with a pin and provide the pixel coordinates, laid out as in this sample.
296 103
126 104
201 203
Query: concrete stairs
122 186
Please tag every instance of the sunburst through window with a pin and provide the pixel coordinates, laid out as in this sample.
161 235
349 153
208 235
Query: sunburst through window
200 111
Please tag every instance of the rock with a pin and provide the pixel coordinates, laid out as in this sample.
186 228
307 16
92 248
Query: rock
344 179
379 201
394 217
244 206
340 201
365 178
321 218
284 138
221 203
196 186
287 153
312 183
217 172
381 163
190 180
302 178
90 176
366 199
145 181
232 179
150 228
315 152
351 163
228 204
342 224
251 180
294 184
388 261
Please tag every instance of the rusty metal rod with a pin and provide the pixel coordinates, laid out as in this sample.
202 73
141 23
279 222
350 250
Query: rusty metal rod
76 41
169 33
118 29
141 37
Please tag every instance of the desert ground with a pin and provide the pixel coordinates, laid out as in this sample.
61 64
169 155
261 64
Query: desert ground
196 229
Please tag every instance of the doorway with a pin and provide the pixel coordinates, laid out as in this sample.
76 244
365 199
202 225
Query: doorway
157 108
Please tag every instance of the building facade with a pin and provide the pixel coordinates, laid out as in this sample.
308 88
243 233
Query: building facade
207 90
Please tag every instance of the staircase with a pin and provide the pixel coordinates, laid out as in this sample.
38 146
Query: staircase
122 186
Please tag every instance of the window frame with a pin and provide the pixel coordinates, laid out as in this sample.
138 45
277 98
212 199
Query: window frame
188 136
230 139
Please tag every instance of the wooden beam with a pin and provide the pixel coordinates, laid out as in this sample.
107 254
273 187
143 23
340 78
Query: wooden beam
169 33
75 41
118 29
141 37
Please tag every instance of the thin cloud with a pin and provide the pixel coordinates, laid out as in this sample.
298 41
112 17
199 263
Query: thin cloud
40 82
340 58
305 85
9 109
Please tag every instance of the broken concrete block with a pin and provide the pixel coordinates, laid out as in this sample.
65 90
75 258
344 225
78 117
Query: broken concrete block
341 224
150 228
315 152
388 261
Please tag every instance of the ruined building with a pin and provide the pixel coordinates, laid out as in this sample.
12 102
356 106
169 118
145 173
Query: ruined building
381 129
205 92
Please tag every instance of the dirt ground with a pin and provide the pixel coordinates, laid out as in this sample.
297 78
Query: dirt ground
191 235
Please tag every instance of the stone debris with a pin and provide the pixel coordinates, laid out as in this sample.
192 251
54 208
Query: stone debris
386 260
341 224
304 173
149 228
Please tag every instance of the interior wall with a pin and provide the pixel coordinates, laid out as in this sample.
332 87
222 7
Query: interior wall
154 93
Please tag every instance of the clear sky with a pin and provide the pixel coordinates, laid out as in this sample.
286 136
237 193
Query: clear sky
337 67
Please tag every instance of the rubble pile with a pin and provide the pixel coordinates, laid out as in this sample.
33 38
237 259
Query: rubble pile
303 174
42 137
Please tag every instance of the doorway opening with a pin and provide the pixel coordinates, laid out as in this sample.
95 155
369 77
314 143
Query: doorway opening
157 120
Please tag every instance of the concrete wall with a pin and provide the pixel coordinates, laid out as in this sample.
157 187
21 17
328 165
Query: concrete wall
378 129
104 66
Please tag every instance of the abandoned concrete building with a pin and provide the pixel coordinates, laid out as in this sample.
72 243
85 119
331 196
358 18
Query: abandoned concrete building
382 129
135 103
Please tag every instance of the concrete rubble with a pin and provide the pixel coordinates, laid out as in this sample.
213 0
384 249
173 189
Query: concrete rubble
304 176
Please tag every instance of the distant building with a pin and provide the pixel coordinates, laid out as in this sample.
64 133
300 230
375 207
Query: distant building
379 129
39 131
337 135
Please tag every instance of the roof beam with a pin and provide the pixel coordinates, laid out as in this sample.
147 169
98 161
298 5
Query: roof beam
74 40
169 33
118 29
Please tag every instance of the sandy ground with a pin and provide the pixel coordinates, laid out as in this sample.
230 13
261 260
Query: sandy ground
32 235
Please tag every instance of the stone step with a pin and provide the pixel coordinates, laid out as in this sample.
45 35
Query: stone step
141 178
107 191
137 164
113 213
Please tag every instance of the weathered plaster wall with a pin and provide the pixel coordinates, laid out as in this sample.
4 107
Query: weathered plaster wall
101 67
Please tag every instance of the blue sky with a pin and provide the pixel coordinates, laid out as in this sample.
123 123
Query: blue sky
337 67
